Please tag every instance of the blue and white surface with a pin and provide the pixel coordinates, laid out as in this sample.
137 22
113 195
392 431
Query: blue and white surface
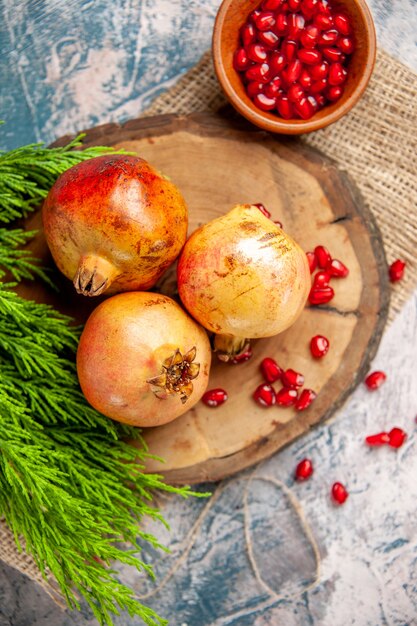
245 557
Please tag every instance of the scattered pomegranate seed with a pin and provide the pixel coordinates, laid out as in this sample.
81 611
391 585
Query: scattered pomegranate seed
279 224
339 493
337 269
379 439
287 40
265 395
270 369
321 279
312 261
396 437
323 257
242 357
321 296
262 209
286 397
291 378
375 379
396 270
306 398
319 346
304 470
214 397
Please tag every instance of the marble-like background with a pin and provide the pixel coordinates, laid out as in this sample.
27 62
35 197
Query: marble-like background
69 65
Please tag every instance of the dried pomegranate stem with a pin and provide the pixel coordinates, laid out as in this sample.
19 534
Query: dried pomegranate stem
228 346
94 275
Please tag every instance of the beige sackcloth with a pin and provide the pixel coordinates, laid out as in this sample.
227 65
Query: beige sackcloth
376 143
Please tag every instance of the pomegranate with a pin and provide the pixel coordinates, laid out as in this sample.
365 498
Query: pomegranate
242 277
114 224
142 360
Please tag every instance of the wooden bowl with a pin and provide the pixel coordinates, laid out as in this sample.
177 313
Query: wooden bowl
232 15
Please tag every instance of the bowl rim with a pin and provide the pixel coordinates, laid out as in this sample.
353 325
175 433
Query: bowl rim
292 127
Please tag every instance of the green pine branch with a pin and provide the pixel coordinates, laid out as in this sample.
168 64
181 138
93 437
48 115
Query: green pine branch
70 485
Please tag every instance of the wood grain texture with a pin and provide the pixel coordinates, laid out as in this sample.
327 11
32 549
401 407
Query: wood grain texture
218 162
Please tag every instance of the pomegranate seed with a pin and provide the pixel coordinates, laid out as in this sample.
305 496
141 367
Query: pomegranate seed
294 5
279 224
321 296
320 99
323 7
396 437
248 34
253 88
318 86
281 24
304 470
379 439
265 395
270 369
214 397
396 270
257 53
374 380
306 398
284 107
273 89
342 24
323 22
312 261
304 108
254 15
271 5
332 54
346 45
310 36
289 48
295 25
320 70
323 257
334 93
276 63
339 493
258 73
265 20
268 38
319 346
242 357
293 71
328 37
309 7
337 74
309 57
295 93
305 79
241 60
287 397
337 269
293 379
321 279
262 209
264 103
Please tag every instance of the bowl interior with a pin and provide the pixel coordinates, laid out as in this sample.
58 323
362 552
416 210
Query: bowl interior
232 15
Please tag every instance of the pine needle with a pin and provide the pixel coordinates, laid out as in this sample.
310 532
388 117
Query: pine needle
69 484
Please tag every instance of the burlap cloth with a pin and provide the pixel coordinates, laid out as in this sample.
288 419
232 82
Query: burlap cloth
375 143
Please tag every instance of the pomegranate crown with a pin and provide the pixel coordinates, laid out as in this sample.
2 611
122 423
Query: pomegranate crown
178 372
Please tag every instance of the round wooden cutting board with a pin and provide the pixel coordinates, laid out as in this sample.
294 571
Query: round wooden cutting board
218 162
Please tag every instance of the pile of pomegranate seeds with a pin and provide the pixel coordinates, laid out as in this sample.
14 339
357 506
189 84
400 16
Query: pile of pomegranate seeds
214 397
395 438
304 470
293 56
375 379
292 381
396 271
321 292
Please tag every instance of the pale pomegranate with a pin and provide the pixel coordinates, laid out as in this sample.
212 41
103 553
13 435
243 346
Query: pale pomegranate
242 277
142 360
113 223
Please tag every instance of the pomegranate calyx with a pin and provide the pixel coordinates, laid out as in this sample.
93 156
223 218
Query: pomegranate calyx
229 347
178 372
94 275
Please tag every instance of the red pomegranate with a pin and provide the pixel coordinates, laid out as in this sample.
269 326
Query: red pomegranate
142 360
241 277
113 223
